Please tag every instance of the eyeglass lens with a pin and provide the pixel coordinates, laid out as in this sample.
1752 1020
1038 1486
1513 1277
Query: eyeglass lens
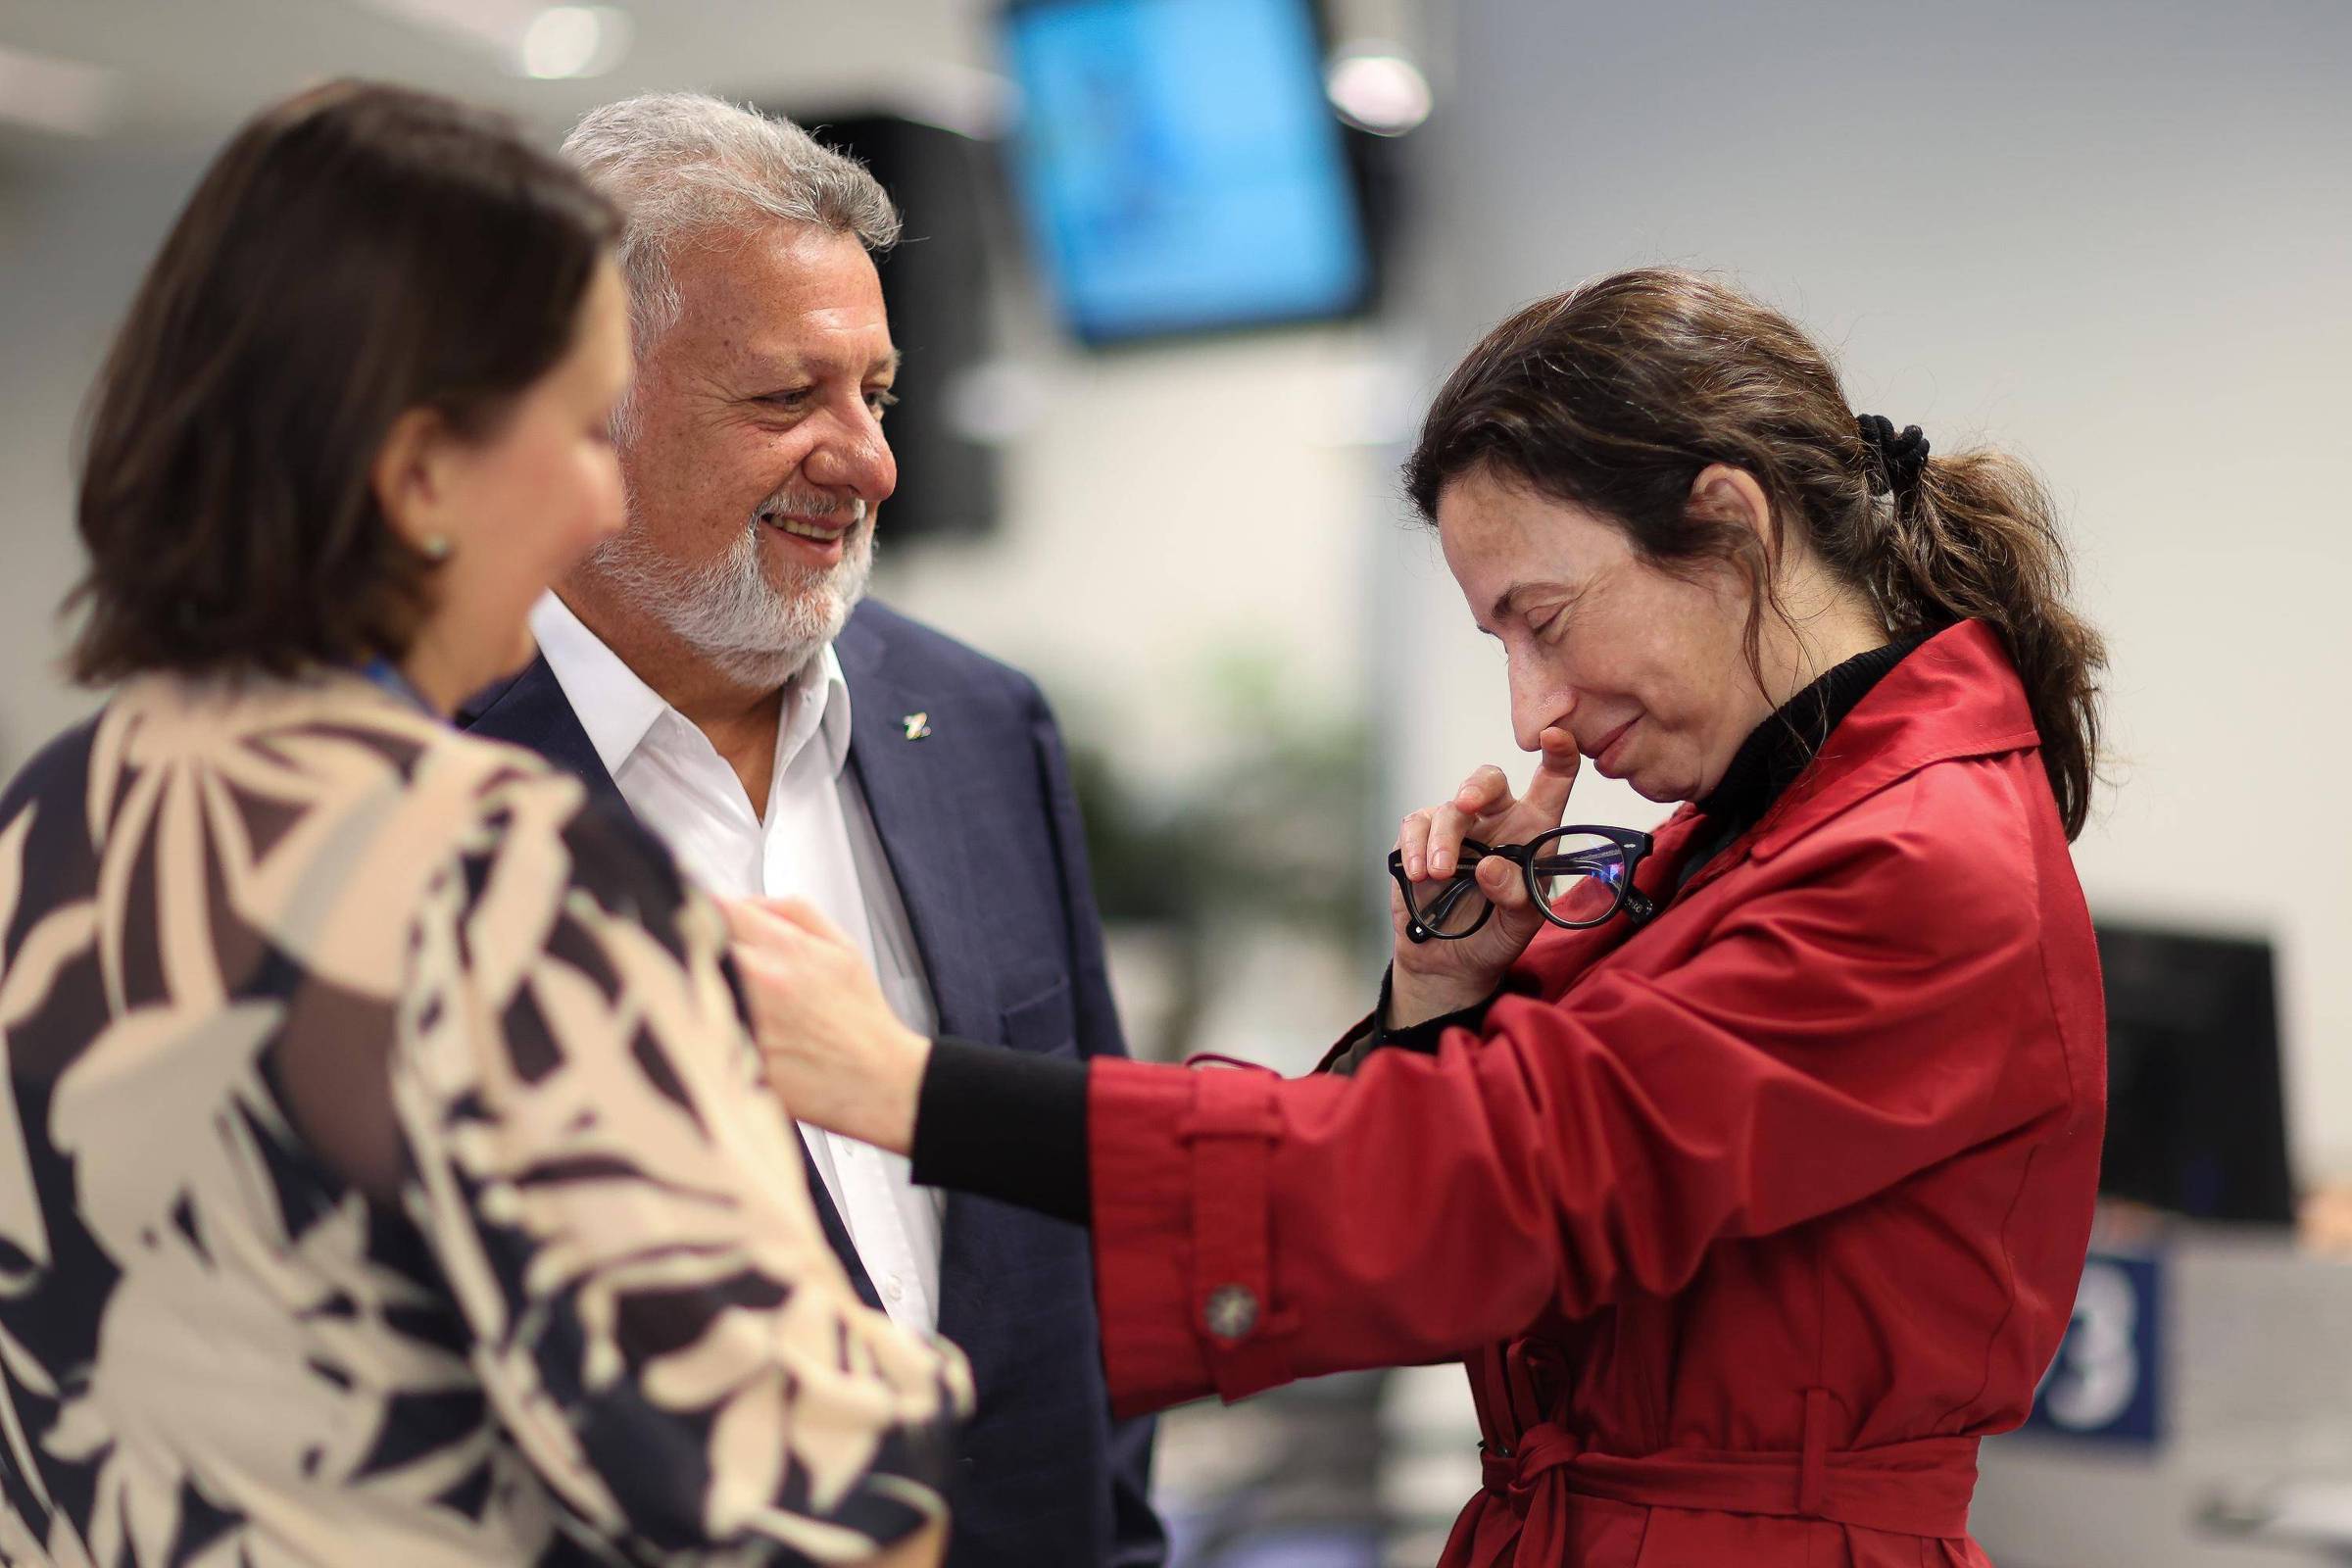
1580 877
1454 906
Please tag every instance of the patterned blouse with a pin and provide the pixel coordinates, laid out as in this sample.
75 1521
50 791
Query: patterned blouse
385 1176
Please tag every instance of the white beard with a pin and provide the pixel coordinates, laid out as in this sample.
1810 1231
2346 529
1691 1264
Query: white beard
757 633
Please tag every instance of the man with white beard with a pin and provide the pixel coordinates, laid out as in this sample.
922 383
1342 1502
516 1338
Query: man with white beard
713 667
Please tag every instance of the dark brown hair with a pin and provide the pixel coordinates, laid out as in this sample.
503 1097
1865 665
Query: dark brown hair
1616 395
355 252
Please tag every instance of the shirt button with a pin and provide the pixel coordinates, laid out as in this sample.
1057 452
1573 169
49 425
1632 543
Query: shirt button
1230 1313
893 1289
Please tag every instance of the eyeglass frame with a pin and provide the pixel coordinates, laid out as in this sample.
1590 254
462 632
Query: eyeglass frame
1631 845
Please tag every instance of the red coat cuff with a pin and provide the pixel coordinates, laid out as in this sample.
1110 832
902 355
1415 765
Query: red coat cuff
1182 1163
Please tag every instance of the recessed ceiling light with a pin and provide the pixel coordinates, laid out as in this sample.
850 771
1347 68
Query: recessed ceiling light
529 39
1376 88
564 41
64 97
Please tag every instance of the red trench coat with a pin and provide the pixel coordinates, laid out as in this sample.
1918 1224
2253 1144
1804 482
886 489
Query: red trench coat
1750 1224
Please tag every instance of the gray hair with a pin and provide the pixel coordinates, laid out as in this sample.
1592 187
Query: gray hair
681 164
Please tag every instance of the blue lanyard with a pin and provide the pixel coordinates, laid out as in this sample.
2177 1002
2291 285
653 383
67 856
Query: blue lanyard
386 674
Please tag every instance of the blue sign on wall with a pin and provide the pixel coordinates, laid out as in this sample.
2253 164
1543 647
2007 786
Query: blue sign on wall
2107 1384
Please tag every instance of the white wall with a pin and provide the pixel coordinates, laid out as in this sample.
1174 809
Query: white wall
2115 237
1171 507
75 232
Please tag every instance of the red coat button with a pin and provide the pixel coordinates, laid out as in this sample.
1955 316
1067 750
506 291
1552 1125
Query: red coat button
1230 1313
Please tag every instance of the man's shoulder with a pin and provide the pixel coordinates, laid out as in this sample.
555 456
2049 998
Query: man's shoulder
532 679
911 651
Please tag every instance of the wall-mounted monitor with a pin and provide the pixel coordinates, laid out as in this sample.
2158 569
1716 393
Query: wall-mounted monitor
2196 1107
1181 167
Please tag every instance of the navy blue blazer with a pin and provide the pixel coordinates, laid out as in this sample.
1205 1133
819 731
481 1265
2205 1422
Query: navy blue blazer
982 831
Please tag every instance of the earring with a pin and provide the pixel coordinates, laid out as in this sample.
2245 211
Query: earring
434 547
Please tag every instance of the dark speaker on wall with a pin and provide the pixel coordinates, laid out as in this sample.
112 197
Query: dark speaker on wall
936 285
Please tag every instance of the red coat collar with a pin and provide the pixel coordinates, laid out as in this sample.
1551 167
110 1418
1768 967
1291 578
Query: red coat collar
1957 695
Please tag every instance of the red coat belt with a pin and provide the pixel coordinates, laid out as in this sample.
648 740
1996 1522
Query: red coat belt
1917 1487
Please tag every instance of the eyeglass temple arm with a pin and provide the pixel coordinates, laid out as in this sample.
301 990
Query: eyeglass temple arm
1443 904
1585 861
1578 861
1636 902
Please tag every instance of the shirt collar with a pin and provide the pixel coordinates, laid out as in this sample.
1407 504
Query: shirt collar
617 709
826 715
613 706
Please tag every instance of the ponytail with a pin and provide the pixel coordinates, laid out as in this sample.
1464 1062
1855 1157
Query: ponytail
1975 537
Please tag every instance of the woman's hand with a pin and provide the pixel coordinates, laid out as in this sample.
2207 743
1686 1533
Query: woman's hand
1430 979
838 1056
923 1549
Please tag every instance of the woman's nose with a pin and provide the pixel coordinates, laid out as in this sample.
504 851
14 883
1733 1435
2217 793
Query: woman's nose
1535 708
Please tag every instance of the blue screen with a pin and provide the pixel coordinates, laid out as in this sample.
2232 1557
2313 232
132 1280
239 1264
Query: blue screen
1181 167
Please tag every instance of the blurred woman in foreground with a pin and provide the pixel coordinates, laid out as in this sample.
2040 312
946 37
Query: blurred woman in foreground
1750 1166
385 1174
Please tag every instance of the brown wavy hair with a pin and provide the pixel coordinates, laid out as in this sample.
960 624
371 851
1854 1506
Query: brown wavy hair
1613 397
354 251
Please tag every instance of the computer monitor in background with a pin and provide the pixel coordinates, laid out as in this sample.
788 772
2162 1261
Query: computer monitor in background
1180 167
2196 1120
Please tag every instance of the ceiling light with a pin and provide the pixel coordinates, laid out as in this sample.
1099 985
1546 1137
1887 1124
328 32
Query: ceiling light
565 41
1377 89
64 97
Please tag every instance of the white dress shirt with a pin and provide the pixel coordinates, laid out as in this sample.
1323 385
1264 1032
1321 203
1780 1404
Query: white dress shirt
816 841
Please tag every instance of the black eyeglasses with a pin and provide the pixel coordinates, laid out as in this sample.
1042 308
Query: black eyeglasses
1578 877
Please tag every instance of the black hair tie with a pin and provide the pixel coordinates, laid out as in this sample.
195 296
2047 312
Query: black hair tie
1902 459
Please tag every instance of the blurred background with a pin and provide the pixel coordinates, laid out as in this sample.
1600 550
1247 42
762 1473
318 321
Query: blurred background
1180 274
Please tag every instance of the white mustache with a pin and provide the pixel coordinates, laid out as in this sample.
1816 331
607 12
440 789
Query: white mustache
810 503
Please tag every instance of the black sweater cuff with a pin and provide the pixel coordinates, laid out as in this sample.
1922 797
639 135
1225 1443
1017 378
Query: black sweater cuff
1005 1124
1425 1035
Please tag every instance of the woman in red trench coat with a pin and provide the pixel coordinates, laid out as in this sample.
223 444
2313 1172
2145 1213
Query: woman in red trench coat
1753 1207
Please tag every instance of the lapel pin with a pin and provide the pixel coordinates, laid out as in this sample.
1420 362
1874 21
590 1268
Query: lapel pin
919 726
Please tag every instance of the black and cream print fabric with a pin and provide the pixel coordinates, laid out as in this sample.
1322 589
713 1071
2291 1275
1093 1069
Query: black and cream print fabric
385 1176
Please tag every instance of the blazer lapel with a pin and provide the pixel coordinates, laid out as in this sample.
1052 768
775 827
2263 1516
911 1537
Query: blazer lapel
837 1234
531 711
910 786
